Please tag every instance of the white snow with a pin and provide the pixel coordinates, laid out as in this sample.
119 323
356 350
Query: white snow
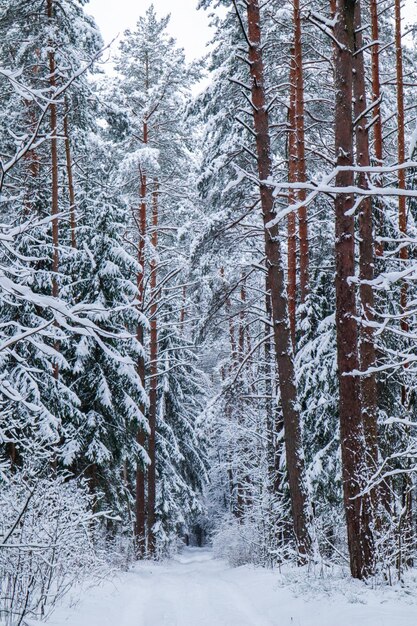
195 589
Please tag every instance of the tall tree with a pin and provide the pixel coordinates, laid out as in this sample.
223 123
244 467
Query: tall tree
366 255
300 152
402 201
377 112
292 426
292 218
351 423
151 95
54 155
153 371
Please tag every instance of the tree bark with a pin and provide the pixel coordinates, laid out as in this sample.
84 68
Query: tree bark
283 348
54 158
140 526
377 126
71 191
242 329
153 371
31 158
376 83
228 408
402 204
291 222
369 393
407 527
54 173
270 405
300 151
243 478
351 425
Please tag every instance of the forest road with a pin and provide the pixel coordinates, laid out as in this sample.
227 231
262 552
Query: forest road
196 589
192 590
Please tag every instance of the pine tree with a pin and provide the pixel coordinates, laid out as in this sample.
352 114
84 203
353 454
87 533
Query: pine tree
104 376
152 96
28 46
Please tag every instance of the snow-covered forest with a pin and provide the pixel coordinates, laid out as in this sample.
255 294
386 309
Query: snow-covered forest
208 297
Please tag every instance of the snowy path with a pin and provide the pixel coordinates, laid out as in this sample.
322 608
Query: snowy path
197 590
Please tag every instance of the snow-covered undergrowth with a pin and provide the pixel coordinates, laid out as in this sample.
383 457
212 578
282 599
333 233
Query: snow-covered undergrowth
48 541
195 589
236 545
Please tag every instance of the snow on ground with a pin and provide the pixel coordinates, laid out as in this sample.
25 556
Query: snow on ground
195 589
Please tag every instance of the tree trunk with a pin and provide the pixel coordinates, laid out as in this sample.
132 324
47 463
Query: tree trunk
300 150
376 83
369 394
291 224
71 191
402 205
408 530
351 426
233 344
242 320
240 466
140 527
270 405
376 113
31 158
54 158
283 348
228 408
54 172
153 371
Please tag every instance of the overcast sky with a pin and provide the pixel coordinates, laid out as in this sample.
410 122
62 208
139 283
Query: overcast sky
189 26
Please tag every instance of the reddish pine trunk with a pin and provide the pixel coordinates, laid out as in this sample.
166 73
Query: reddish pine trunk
300 150
54 158
240 470
351 426
385 492
402 206
31 158
233 346
153 370
228 408
271 412
376 83
140 527
71 191
242 330
407 518
283 348
54 171
292 236
366 258
376 113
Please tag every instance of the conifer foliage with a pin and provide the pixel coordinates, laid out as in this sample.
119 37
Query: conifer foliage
288 84
98 359
207 291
